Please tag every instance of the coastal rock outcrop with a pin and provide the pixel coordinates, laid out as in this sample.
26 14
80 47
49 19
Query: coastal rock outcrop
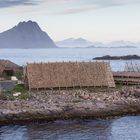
71 104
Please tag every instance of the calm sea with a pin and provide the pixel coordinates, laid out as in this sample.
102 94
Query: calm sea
22 56
125 128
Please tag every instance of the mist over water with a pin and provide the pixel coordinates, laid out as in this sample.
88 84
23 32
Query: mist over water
22 56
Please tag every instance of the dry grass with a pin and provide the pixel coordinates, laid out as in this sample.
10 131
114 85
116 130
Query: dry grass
76 74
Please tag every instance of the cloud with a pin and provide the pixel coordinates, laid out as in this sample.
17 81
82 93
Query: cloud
75 10
112 2
10 3
62 7
88 5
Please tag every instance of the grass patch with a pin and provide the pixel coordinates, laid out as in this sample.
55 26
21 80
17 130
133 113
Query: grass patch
19 88
8 95
19 75
25 96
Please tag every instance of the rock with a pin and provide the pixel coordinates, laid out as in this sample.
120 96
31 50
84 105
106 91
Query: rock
17 94
137 93
73 103
85 97
14 78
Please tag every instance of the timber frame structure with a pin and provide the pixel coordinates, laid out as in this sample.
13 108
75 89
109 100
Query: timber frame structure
68 74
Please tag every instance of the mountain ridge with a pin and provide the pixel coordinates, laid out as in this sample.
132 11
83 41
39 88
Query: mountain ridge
73 43
26 35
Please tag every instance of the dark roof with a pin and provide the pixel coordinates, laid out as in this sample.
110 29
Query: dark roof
7 63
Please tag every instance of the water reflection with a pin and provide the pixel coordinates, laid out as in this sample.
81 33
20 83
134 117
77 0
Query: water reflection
125 128
78 130
13 132
60 130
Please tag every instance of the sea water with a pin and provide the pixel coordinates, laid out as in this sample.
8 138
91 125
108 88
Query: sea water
125 128
23 56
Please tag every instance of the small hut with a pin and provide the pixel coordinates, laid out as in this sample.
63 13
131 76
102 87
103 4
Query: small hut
68 74
8 68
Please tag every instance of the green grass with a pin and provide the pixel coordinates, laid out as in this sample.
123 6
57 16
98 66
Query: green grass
8 95
19 75
19 88
25 96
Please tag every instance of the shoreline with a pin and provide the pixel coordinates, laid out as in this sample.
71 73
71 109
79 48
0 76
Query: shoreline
71 105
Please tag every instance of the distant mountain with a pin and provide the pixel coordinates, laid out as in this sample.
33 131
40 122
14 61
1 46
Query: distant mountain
26 35
72 42
117 44
121 43
80 42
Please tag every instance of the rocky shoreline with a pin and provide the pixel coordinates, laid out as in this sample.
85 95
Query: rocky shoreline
71 104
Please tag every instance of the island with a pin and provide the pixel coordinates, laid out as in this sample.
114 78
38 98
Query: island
127 57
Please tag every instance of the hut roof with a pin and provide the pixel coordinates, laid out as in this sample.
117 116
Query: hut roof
68 74
7 63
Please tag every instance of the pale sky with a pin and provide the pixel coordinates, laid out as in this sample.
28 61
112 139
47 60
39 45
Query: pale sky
95 20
